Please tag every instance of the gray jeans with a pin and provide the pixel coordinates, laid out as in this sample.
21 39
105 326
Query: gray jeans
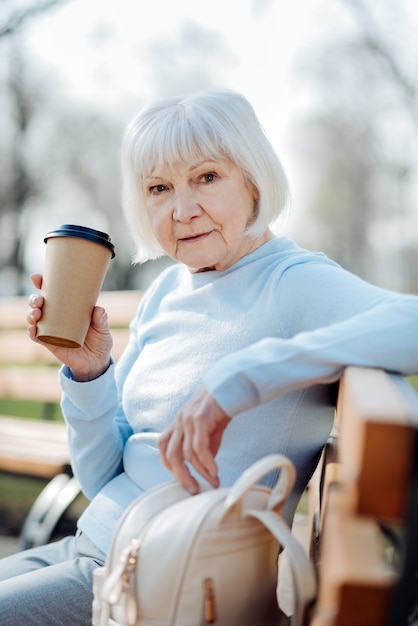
50 585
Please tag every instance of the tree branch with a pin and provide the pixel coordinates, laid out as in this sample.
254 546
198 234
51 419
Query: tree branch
374 43
18 18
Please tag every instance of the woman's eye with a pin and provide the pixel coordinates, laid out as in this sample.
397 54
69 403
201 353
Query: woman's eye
156 189
209 177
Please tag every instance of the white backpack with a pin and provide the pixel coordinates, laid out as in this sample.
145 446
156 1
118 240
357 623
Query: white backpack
212 558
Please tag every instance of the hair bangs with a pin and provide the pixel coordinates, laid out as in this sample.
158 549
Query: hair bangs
179 138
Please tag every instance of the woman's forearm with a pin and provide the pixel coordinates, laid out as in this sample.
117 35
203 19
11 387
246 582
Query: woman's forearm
384 337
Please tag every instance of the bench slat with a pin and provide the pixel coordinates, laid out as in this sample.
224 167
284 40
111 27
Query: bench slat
377 435
30 383
356 580
34 429
120 306
33 447
16 348
13 312
41 469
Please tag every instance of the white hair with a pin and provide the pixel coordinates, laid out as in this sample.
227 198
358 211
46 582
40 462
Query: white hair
215 125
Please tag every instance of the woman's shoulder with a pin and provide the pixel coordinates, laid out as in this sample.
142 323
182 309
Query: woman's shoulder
284 253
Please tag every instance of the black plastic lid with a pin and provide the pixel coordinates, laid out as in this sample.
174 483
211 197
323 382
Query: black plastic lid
82 232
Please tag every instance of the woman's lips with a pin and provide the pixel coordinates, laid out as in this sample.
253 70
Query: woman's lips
195 238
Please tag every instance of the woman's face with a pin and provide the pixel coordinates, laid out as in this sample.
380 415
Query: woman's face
199 213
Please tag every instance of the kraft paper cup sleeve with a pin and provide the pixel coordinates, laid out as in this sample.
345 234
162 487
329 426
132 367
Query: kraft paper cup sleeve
76 262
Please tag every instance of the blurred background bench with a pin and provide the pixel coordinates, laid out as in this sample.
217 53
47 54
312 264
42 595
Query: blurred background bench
33 440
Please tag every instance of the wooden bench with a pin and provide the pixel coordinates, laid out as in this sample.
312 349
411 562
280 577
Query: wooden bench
38 447
364 505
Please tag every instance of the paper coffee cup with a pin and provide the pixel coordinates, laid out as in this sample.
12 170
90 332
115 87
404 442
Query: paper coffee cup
76 261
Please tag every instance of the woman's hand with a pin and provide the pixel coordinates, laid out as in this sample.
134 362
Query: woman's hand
195 436
87 362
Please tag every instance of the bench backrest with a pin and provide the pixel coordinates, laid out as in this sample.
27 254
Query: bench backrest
28 370
367 478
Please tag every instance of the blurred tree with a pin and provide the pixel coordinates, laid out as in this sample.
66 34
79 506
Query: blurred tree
341 197
360 139
180 62
57 160
16 184
76 165
12 18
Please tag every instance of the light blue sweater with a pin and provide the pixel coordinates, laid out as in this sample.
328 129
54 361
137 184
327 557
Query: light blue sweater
264 336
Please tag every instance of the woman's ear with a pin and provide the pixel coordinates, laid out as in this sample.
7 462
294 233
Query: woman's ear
256 200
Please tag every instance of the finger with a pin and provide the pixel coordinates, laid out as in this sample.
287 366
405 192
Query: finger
35 301
173 467
196 452
36 280
171 448
32 332
98 313
162 445
33 316
207 467
99 318
210 476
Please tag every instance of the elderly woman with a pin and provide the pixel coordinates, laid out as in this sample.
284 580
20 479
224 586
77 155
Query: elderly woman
232 351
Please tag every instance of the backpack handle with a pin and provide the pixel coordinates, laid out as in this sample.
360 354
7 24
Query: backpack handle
253 474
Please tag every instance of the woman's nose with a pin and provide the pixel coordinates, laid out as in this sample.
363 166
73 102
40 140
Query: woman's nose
185 207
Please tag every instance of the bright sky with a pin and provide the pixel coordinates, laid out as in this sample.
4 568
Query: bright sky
141 49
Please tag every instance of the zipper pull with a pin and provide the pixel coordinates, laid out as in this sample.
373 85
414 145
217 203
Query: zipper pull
210 614
118 578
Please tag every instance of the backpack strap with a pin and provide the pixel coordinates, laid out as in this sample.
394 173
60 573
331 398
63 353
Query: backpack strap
303 574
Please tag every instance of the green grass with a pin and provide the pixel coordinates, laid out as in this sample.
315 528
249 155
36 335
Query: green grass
414 381
31 410
19 492
303 506
17 495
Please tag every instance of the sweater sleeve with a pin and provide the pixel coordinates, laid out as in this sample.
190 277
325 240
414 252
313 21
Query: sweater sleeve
97 425
335 321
